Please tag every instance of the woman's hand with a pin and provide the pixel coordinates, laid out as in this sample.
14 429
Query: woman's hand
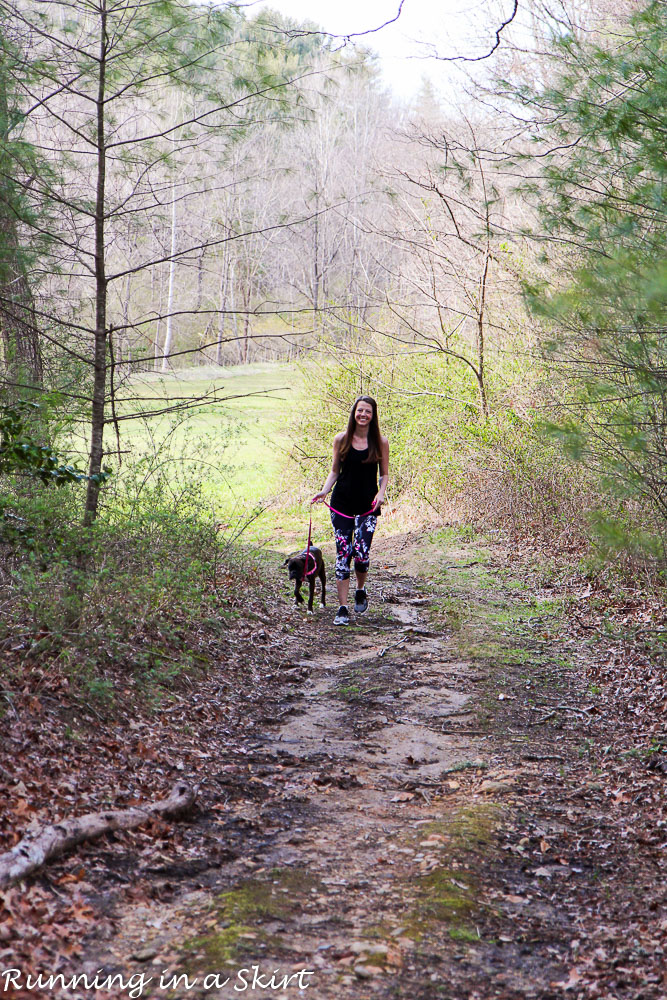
377 503
319 497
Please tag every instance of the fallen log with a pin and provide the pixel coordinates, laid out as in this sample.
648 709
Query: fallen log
37 849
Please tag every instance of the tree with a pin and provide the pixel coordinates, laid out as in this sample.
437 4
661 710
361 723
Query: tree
102 95
18 322
451 221
601 197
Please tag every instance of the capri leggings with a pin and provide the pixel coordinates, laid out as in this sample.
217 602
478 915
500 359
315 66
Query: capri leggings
353 541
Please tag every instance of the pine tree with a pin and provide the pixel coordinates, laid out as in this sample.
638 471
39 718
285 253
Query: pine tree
602 203
22 357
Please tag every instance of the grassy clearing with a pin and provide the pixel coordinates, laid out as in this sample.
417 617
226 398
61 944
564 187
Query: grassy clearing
239 446
196 492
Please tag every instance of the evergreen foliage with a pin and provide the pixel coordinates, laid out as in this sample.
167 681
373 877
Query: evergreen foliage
21 454
603 212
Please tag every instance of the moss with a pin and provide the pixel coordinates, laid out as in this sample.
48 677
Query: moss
485 650
450 895
219 948
463 934
475 824
467 765
242 910
447 897
442 898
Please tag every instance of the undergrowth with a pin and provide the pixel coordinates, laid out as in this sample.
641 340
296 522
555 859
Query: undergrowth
505 472
134 603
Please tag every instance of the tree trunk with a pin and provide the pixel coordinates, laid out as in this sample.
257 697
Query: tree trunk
224 285
100 348
18 323
246 336
168 337
480 336
232 299
317 276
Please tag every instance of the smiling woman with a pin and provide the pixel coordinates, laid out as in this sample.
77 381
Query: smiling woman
357 499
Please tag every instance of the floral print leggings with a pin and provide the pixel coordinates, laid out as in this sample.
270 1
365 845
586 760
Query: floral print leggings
353 541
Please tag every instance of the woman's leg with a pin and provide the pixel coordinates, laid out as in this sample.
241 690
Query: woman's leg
363 537
343 588
344 534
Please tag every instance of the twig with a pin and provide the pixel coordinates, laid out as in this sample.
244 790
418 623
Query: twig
569 708
395 645
462 732
538 722
559 708
542 756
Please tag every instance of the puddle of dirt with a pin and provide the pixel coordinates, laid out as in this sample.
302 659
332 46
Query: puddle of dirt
412 750
405 613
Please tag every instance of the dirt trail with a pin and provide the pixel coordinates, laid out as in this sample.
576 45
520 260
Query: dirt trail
361 830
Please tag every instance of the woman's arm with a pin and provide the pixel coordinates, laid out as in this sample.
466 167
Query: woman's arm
333 475
384 475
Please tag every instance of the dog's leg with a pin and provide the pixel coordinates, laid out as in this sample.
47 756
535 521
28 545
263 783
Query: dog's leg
297 592
323 581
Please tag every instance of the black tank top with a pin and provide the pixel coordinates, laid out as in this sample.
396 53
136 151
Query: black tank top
356 485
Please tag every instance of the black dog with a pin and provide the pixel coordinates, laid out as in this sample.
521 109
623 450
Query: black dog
297 572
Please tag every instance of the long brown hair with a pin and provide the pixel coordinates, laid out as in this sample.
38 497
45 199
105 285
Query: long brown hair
374 437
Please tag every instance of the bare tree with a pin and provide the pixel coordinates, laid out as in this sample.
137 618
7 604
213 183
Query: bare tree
104 108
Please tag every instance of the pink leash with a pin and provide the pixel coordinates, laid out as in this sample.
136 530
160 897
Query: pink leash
309 572
351 517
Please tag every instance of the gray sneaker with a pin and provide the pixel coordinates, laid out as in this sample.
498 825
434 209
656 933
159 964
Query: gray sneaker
343 616
361 602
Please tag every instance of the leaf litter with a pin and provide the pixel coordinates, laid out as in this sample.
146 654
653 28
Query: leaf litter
537 872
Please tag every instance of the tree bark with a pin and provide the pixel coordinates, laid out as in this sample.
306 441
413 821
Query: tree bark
480 336
168 337
34 851
100 350
18 323
224 286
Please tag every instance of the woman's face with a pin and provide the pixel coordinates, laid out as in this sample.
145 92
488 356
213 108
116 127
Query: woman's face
363 413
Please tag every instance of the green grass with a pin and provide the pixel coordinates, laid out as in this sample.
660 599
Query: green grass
239 446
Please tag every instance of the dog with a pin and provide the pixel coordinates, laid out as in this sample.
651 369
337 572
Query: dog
297 572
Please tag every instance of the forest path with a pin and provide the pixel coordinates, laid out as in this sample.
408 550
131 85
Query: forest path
368 840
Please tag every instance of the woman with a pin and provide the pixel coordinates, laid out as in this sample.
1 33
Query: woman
356 499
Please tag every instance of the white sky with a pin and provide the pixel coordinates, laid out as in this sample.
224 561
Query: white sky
450 26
